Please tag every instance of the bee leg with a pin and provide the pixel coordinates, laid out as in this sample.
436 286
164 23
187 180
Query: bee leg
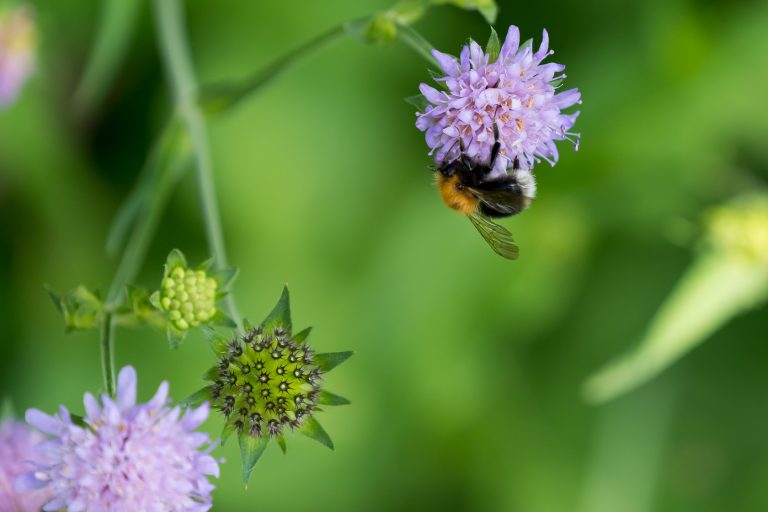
496 146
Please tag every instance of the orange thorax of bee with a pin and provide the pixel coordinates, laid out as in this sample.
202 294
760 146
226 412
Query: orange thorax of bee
455 195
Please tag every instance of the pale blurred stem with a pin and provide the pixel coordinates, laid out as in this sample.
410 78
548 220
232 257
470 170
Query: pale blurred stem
175 54
416 41
231 94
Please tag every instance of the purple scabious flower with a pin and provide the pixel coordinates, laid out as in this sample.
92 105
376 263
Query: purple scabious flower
17 58
516 93
17 441
126 456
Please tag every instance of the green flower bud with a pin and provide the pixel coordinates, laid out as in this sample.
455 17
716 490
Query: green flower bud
187 296
740 229
381 30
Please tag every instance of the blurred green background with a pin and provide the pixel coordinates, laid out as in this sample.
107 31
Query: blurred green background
465 387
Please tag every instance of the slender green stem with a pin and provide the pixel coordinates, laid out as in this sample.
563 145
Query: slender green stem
175 53
222 97
108 353
416 41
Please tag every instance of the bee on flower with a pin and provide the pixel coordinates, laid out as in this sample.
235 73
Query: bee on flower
495 115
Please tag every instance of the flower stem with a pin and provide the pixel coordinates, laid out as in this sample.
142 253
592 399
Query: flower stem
175 54
108 353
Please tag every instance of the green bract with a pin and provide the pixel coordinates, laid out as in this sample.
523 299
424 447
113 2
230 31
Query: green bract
187 296
268 381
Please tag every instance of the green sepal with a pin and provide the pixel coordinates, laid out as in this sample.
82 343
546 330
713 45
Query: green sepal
493 47
313 430
556 83
216 341
224 276
281 314
79 421
143 308
281 443
330 360
175 336
247 325
7 411
226 431
197 398
154 299
175 259
418 101
221 318
205 265
211 374
81 308
301 336
328 398
251 449
528 43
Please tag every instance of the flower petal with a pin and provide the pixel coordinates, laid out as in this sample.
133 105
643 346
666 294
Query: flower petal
432 94
448 62
126 388
43 422
511 43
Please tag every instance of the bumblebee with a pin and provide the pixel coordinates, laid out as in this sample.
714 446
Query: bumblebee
473 190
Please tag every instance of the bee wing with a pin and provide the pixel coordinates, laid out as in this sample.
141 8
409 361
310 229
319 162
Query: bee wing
497 236
504 201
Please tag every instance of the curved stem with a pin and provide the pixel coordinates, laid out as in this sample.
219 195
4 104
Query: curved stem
175 54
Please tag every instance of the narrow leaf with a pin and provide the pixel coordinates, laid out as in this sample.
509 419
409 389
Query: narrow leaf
197 398
493 47
281 443
330 360
55 298
281 314
251 449
313 430
221 318
300 337
328 398
175 336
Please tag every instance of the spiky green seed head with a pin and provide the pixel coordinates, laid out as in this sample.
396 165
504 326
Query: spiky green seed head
266 381
188 297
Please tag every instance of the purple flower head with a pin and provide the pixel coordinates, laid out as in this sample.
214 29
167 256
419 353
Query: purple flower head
17 441
516 93
129 456
17 42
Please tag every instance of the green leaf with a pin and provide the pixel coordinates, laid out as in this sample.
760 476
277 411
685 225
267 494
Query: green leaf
281 314
226 432
313 430
418 101
251 449
330 360
299 338
175 259
281 443
55 298
493 47
328 398
197 398
712 291
211 373
224 276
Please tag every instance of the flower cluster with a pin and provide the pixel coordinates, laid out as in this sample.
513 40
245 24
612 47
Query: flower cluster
516 93
265 381
124 455
17 45
17 441
189 297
